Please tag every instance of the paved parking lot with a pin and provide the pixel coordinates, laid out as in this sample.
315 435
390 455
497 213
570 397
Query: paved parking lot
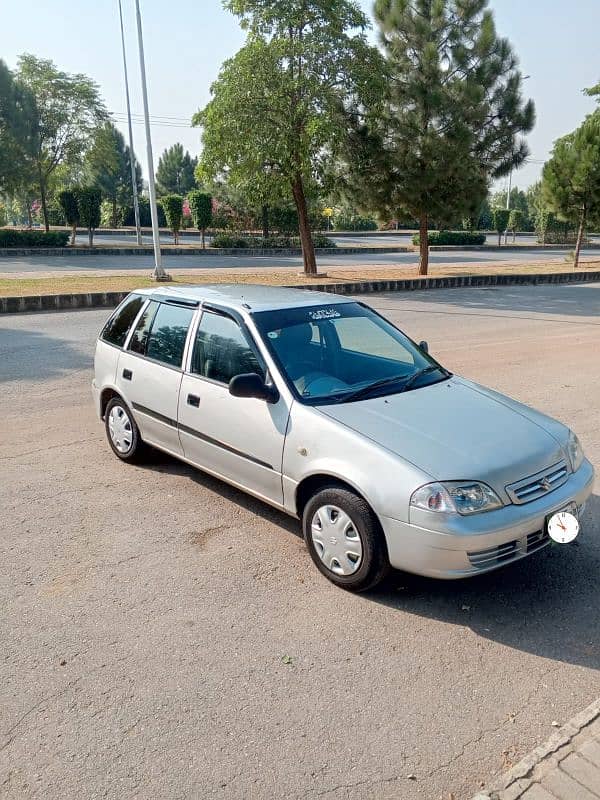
165 636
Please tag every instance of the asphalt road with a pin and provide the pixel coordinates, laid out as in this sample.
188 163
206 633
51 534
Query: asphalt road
368 240
164 635
97 263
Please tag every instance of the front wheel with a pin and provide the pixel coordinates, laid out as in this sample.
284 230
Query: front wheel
345 539
122 432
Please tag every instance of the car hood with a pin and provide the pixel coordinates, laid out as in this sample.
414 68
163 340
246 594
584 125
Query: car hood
458 430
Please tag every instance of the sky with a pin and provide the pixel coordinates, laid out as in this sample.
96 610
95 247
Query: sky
185 44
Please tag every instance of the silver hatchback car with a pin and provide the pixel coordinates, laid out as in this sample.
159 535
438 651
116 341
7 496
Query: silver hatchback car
318 405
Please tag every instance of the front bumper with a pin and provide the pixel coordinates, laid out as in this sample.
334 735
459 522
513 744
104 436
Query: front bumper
482 542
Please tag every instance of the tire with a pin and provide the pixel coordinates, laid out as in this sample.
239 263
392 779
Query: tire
122 432
344 538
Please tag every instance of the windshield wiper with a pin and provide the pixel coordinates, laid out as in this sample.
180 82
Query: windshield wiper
424 371
365 390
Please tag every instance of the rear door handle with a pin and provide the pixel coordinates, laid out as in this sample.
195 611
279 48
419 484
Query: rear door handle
127 374
193 400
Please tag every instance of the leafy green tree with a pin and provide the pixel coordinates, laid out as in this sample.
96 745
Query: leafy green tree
109 167
450 121
275 110
17 124
175 173
67 200
515 222
173 207
69 109
571 178
500 217
201 208
89 200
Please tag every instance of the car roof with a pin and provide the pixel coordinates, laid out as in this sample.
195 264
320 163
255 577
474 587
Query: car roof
245 296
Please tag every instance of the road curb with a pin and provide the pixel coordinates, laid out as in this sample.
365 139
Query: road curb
7 252
514 783
67 302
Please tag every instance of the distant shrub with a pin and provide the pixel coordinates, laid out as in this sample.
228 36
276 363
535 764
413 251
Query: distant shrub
451 238
283 242
354 222
10 238
173 207
145 216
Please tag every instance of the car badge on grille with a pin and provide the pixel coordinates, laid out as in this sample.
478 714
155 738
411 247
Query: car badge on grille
545 484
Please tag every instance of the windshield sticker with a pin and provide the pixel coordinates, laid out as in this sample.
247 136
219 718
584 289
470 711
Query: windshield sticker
324 313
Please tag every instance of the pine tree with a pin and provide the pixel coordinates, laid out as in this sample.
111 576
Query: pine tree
450 121
571 178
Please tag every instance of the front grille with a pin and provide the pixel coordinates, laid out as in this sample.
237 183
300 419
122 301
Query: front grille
538 485
508 551
494 555
537 540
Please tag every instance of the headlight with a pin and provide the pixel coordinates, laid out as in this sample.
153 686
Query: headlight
575 451
464 497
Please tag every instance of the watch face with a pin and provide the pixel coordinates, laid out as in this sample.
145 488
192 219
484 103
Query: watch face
563 527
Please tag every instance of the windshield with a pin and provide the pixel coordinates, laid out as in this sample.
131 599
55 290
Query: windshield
344 352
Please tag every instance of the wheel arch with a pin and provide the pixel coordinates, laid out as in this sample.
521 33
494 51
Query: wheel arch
106 395
311 484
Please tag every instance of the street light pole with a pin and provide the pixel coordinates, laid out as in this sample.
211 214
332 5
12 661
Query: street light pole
159 273
136 205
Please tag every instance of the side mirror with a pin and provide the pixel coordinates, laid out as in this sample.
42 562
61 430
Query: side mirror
424 346
252 385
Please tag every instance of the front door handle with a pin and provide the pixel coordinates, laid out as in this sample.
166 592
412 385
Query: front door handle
193 400
127 374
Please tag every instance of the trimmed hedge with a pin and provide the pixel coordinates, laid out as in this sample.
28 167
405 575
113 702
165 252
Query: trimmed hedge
451 238
9 238
239 242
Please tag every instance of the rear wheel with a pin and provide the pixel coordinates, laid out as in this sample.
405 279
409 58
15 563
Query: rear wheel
122 432
345 539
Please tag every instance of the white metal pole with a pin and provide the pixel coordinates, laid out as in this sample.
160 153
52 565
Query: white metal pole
508 203
159 273
136 205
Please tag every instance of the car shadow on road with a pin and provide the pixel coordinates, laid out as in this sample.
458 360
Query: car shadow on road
162 462
547 604
581 300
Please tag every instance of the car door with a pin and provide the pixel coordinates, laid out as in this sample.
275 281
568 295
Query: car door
238 439
150 369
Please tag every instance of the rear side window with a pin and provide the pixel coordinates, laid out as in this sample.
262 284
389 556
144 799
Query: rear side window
116 329
139 337
166 340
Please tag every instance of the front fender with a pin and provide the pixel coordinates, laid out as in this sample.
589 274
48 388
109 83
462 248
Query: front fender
318 445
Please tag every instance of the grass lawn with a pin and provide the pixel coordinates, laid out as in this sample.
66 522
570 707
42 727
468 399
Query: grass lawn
66 284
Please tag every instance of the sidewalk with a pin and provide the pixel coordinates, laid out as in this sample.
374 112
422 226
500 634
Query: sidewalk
566 767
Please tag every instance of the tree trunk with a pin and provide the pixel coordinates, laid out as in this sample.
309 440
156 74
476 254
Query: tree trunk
265 221
114 212
582 221
29 217
43 199
308 248
91 236
499 238
73 234
203 243
424 244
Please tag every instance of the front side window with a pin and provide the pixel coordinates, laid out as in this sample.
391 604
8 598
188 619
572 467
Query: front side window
166 340
116 329
344 352
222 350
